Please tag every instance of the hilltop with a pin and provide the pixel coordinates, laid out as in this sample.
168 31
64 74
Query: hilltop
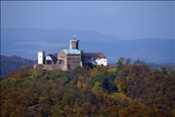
123 90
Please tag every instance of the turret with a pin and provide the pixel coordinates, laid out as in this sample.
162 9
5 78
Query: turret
74 43
41 55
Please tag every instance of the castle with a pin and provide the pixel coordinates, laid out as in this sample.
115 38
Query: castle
69 59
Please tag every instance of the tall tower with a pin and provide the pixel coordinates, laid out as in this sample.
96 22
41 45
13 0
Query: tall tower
41 55
74 43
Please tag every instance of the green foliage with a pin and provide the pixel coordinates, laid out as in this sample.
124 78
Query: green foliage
120 64
153 88
134 90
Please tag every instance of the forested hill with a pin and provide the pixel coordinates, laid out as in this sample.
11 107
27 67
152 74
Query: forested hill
13 63
91 91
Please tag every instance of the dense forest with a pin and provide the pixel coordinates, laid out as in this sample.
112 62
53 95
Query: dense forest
14 63
91 91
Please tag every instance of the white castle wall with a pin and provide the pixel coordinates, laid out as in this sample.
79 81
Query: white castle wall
41 55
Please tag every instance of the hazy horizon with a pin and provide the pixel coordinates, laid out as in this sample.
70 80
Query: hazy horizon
123 20
101 26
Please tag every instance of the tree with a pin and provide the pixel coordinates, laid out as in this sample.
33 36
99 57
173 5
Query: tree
127 62
163 70
97 86
119 64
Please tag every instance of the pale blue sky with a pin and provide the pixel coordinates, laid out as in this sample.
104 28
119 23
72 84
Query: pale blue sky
124 20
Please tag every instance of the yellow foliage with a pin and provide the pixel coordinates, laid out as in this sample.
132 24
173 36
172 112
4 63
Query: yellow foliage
118 83
112 69
120 97
79 85
94 71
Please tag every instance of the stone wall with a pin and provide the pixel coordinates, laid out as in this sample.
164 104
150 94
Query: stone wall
73 61
62 56
51 67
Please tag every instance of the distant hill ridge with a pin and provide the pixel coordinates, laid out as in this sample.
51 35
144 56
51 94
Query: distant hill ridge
26 43
13 63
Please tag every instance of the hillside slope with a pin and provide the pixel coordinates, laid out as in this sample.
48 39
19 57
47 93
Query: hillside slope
13 63
121 91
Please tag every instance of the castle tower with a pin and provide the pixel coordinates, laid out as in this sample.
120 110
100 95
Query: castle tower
41 55
74 43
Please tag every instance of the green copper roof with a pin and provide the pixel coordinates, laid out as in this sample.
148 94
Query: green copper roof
72 51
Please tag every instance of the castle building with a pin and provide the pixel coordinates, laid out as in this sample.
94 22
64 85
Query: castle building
69 59
41 55
74 43
50 59
95 58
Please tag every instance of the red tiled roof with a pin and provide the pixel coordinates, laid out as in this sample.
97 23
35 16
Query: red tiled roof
94 55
